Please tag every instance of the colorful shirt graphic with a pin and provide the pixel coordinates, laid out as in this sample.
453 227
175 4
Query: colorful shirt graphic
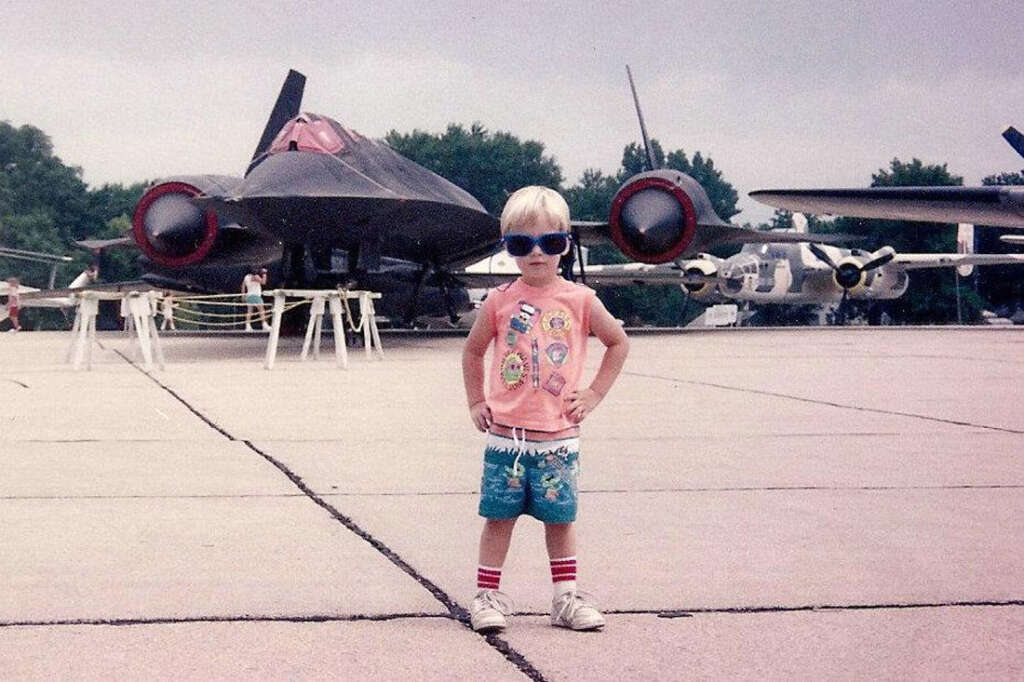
541 335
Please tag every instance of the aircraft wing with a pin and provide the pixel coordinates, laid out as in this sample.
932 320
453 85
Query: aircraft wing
913 261
35 297
100 244
995 205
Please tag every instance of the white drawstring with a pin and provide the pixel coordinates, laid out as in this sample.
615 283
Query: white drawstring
520 446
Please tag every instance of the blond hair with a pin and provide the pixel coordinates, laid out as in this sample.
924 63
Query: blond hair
534 204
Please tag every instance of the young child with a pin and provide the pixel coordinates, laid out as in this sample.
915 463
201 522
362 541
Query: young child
13 303
537 327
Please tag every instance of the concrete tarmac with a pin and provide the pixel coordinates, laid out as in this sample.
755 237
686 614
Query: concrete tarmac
756 504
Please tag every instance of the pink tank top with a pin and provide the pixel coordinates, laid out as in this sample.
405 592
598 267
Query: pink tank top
540 344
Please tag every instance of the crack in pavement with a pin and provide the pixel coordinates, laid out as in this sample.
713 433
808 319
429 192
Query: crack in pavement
816 401
472 493
454 609
383 617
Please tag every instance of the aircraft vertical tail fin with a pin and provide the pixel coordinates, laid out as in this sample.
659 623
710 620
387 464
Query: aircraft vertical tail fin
287 106
965 245
643 128
1014 137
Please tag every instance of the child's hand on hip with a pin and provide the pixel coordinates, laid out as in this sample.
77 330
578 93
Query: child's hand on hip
581 404
481 415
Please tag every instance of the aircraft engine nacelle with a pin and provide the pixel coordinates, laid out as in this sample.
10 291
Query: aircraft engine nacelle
707 269
887 283
654 216
848 275
172 231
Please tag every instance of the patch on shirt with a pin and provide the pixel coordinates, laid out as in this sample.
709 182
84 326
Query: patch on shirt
523 321
554 383
556 323
557 353
513 369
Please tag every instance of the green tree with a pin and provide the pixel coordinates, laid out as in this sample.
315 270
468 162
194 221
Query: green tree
490 166
45 206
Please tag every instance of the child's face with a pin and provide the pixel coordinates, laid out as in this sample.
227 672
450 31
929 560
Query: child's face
537 267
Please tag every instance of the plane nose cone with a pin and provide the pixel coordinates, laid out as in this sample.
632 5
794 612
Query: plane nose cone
174 225
652 221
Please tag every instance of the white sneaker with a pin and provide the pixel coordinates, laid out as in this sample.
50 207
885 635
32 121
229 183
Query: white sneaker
573 610
248 328
488 610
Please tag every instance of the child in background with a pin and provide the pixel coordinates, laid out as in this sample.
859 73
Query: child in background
13 303
537 327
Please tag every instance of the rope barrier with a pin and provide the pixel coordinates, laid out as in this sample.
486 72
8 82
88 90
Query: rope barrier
197 317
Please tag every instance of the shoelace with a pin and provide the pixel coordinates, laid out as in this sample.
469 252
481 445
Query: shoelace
570 602
497 600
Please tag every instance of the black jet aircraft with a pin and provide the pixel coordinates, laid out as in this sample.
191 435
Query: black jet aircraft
1001 206
321 205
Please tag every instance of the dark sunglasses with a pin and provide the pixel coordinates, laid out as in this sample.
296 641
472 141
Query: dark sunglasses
551 243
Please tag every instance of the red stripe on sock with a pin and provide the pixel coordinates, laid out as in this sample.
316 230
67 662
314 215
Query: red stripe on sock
488 578
563 570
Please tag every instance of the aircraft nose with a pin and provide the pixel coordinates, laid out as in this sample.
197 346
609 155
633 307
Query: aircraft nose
174 225
651 221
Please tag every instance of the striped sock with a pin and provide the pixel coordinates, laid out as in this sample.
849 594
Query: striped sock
488 578
563 574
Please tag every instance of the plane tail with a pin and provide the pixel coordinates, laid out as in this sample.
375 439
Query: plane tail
1015 138
643 128
287 106
965 245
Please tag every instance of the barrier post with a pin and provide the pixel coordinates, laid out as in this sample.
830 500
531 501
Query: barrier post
340 349
275 329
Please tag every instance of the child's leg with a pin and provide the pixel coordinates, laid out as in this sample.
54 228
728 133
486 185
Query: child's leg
494 542
569 608
561 542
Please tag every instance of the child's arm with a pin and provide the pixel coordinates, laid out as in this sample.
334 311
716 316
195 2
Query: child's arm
473 367
606 328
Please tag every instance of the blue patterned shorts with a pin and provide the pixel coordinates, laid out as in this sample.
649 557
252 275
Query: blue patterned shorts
541 479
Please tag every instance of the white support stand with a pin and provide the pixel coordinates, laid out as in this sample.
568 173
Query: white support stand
142 311
340 349
275 329
83 333
138 310
316 320
368 317
321 298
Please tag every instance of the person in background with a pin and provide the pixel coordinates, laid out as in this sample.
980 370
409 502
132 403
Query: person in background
167 306
13 303
252 287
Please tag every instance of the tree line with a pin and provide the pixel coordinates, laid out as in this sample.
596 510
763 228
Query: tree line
46 206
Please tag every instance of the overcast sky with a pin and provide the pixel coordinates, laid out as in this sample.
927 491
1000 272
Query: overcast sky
794 94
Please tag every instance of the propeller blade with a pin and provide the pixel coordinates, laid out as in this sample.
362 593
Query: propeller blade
878 262
1014 137
821 255
643 128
